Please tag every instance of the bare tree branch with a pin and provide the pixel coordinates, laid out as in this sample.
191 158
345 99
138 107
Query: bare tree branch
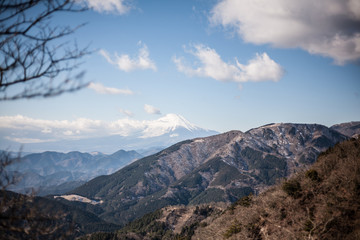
32 56
6 159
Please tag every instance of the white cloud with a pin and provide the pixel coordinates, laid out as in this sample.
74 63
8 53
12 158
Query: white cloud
113 6
68 133
24 129
99 88
325 27
151 109
126 63
126 112
261 68
46 130
27 140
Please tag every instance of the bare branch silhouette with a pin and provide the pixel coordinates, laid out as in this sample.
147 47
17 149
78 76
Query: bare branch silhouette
33 52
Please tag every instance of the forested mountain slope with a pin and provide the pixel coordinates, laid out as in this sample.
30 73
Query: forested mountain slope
223 167
320 203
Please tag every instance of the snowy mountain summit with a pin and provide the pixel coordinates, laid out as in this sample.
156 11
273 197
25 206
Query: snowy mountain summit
170 123
176 121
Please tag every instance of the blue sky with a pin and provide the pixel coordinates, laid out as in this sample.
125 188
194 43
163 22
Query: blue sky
222 65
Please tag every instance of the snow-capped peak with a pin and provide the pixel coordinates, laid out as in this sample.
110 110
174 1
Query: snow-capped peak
96 153
174 121
167 124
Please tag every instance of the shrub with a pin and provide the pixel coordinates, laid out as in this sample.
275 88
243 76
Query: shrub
203 211
203 224
282 213
254 230
234 229
292 188
188 231
312 175
245 201
308 226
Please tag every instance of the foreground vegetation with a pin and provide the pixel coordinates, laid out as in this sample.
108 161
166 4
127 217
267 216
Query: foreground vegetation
29 217
173 222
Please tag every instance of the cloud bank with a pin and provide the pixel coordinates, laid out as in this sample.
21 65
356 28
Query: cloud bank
126 63
99 88
22 129
260 68
329 28
110 6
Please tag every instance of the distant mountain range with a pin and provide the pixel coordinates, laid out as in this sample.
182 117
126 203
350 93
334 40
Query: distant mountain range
222 167
53 172
351 129
219 168
56 173
135 135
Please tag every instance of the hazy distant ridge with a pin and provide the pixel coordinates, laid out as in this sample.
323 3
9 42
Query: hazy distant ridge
55 172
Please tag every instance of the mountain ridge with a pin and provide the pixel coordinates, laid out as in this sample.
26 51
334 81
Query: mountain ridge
321 202
351 129
55 172
221 167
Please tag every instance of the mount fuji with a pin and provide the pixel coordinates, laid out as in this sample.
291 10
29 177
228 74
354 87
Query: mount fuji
146 137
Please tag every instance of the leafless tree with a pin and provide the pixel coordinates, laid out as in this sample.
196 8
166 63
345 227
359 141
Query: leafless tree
7 179
35 54
36 60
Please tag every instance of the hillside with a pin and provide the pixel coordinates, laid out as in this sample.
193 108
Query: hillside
351 129
172 222
320 203
57 173
223 168
27 217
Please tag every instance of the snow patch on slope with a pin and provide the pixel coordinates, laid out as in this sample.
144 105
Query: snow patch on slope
78 198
